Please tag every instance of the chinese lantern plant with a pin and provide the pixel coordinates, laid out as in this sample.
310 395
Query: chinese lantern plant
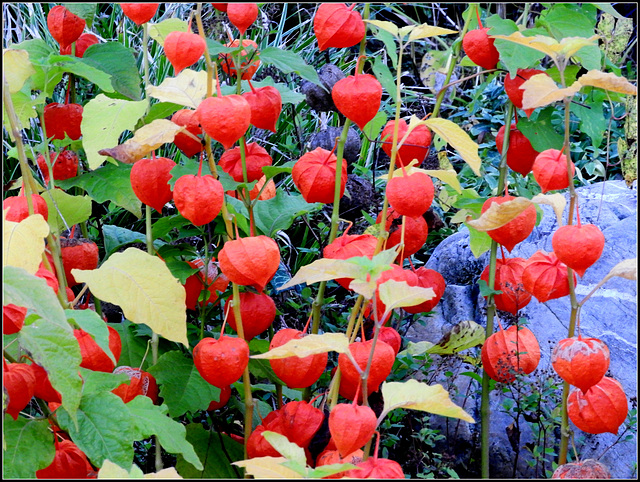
249 61
603 408
581 362
509 352
296 372
479 46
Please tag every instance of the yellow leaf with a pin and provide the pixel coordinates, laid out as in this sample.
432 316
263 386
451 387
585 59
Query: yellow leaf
610 82
458 139
556 201
570 45
424 31
541 90
146 139
158 31
541 43
415 395
387 26
188 88
308 345
144 288
23 242
398 294
268 468
286 448
627 269
16 68
449 177
323 270
499 214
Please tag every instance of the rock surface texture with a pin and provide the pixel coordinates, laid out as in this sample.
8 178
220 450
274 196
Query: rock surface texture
610 315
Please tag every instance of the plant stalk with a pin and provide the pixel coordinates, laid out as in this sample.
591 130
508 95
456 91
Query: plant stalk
485 410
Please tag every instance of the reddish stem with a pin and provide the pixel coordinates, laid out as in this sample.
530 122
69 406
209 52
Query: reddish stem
478 14
502 251
73 230
375 453
253 91
578 214
306 326
353 5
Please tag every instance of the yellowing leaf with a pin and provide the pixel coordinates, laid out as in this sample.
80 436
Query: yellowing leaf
268 468
541 43
23 242
541 90
16 68
627 269
424 31
188 88
168 473
567 47
144 288
308 345
103 120
146 139
458 139
415 395
570 45
500 214
158 31
465 334
384 25
556 201
287 449
609 81
398 294
449 177
323 270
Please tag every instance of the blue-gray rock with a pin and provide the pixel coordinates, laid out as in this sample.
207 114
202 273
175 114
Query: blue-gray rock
610 315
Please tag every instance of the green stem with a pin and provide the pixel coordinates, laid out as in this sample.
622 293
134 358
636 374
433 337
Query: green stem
453 61
485 410
565 432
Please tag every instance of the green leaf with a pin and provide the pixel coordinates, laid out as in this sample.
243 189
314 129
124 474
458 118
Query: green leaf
592 119
105 429
512 55
278 213
91 322
149 419
23 105
390 45
563 21
83 10
326 470
101 382
32 292
116 237
385 77
39 52
181 386
191 166
262 369
374 126
389 27
464 335
590 57
216 450
66 210
216 48
273 171
541 132
608 8
27 447
479 242
485 290
288 96
166 224
161 110
118 61
80 68
111 182
158 31
103 120
288 61
133 347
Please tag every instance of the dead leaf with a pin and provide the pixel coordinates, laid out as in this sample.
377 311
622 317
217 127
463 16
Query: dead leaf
541 90
308 345
609 81
145 140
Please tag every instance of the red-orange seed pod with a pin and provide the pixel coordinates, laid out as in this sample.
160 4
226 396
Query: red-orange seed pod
578 246
250 261
581 362
415 146
545 277
602 409
294 371
508 279
150 181
257 310
314 174
64 26
337 25
508 352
